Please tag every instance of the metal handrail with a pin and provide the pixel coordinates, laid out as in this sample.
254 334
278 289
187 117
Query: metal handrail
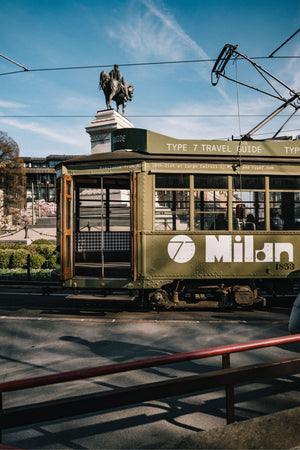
55 409
109 369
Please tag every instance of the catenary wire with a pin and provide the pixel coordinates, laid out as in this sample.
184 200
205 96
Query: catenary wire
137 64
257 134
37 116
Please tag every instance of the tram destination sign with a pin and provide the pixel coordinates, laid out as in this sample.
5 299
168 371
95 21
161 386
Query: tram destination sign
145 141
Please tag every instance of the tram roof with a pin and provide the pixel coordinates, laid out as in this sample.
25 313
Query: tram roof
134 144
146 141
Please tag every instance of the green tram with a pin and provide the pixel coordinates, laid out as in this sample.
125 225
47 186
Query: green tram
181 221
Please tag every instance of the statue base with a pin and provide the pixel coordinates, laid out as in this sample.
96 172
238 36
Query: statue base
100 129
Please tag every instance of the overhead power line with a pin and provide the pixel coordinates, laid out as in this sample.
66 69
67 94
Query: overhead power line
258 134
103 66
271 55
137 116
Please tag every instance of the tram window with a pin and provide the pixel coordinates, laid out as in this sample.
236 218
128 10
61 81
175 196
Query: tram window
113 214
285 183
58 200
68 251
118 217
90 208
172 181
248 182
210 181
68 188
171 210
68 213
287 205
211 210
248 210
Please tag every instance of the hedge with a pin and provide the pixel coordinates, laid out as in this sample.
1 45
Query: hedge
18 259
37 261
5 255
42 249
14 256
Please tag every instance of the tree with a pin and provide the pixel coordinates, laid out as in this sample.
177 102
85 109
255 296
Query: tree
12 181
45 209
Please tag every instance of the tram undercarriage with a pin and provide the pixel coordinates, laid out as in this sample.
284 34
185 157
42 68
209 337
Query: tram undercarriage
190 294
228 294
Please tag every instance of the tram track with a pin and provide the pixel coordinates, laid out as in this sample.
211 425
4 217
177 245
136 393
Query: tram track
53 308
55 318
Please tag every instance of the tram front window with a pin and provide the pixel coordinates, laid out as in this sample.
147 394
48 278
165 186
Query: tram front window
103 221
107 208
89 216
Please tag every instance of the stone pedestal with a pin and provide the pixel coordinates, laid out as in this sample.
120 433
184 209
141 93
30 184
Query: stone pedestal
100 129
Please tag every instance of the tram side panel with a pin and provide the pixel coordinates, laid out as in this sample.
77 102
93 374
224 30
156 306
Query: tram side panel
209 256
222 256
145 186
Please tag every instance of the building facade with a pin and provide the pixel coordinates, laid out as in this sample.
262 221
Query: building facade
41 177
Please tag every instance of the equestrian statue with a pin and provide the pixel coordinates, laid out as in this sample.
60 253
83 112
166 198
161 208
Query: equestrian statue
115 88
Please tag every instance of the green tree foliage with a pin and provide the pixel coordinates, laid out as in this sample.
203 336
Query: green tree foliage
12 180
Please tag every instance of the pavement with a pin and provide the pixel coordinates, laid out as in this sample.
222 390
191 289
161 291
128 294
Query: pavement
41 230
274 431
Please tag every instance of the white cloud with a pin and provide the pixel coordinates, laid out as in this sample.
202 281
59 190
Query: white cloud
152 31
290 70
171 24
76 104
217 120
66 137
5 104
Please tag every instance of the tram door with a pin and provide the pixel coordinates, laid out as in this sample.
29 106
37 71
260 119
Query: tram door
103 229
66 242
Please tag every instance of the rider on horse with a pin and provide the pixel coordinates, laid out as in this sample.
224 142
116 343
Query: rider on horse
115 88
115 74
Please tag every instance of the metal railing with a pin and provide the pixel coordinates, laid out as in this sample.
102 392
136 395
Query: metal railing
73 406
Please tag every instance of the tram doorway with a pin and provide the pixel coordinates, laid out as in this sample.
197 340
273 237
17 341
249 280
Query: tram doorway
104 226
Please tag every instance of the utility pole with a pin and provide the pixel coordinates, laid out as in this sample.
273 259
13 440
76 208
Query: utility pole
32 199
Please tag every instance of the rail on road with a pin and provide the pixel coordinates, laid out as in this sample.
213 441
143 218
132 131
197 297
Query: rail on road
77 405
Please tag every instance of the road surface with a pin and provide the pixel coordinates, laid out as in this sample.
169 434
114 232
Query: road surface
44 335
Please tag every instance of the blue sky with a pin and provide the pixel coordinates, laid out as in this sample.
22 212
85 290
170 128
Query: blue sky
68 33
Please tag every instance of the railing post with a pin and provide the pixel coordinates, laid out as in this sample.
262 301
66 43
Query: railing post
28 267
229 392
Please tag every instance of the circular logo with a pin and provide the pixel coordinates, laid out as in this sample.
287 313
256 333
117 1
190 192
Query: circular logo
181 249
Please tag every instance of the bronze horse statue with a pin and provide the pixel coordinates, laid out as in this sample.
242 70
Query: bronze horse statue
115 90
